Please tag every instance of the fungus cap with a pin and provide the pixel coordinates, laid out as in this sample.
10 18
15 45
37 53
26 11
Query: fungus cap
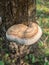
23 34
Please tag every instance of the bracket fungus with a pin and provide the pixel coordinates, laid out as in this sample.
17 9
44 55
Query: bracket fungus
24 34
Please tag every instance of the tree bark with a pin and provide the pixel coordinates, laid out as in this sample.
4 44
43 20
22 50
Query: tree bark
18 11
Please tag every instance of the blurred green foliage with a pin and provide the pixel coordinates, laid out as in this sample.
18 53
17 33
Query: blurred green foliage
1 63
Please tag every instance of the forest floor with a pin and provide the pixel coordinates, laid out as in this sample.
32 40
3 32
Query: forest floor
41 55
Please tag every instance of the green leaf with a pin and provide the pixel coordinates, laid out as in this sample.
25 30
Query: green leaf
33 59
40 44
1 63
46 63
47 51
6 55
30 56
1 39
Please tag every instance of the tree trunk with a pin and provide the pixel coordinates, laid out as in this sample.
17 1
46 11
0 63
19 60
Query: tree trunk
18 11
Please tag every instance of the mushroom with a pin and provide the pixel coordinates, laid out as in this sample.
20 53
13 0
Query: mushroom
23 34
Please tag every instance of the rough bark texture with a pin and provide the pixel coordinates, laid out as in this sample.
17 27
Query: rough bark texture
17 11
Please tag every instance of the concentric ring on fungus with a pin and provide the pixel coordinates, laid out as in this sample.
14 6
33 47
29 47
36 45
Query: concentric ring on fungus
23 34
23 31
